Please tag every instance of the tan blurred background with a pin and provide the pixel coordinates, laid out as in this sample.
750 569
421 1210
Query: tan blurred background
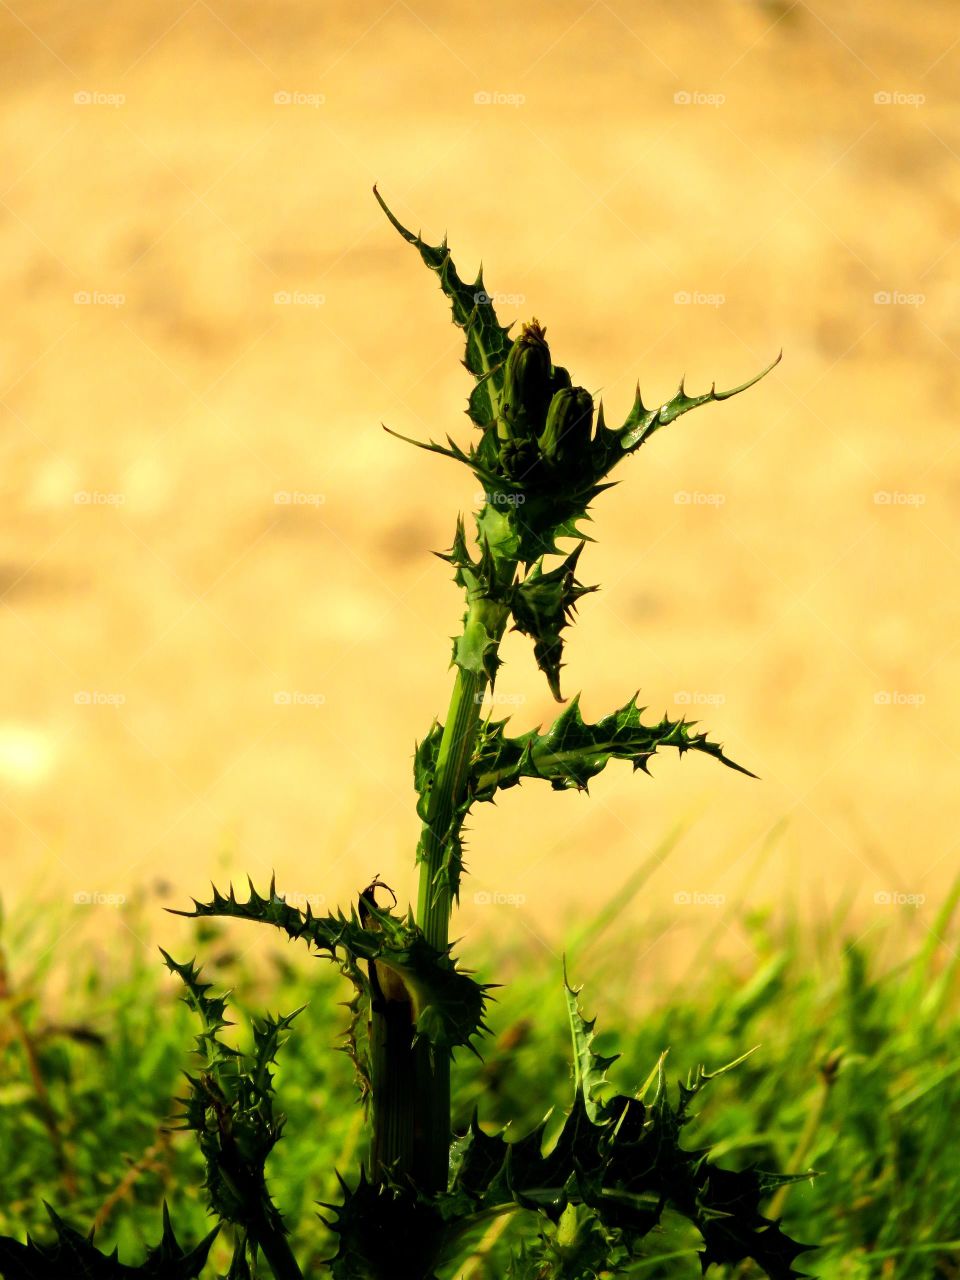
791 170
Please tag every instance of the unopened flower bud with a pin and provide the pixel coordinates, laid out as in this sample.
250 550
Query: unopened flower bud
559 379
526 387
569 426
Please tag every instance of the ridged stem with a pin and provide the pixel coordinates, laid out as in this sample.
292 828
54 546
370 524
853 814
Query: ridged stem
276 1249
412 1086
485 621
434 907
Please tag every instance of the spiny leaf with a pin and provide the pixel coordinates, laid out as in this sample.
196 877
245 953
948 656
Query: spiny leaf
733 1228
458 555
73 1256
623 1160
448 1004
230 1108
487 343
545 518
590 1067
698 1079
542 605
472 458
269 1035
211 1010
571 752
641 423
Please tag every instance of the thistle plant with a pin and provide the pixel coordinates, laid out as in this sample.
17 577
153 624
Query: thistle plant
542 452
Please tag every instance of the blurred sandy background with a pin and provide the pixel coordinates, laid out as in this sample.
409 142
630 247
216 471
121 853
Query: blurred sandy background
738 154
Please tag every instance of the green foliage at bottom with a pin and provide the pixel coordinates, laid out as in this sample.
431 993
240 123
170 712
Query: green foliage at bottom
857 1070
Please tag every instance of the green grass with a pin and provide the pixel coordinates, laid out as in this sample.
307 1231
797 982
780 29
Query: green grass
857 1076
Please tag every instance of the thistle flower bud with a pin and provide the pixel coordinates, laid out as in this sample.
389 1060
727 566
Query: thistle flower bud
569 425
559 379
526 387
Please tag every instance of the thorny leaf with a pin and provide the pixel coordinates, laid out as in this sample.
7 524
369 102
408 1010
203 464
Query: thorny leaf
624 1161
448 1004
73 1256
571 752
542 605
487 341
230 1108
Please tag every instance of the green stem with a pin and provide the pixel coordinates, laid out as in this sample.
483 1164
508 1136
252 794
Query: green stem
485 621
276 1249
435 903
393 1079
412 1088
